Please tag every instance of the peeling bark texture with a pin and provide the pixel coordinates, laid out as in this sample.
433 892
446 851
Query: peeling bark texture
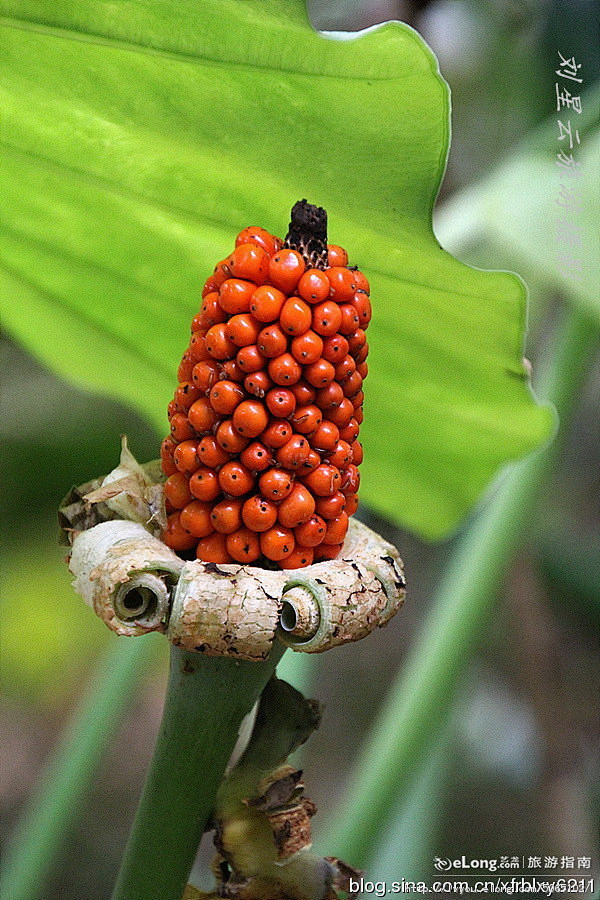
220 610
116 556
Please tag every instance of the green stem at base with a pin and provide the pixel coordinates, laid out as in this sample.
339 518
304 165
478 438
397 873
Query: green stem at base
207 698
416 707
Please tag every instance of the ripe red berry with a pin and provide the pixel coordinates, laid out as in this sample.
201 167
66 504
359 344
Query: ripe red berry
342 414
266 303
226 516
210 453
344 368
250 418
213 548
312 532
258 383
350 479
181 428
327 318
197 349
185 457
286 269
351 504
280 402
258 513
307 347
306 419
256 457
336 529
177 490
250 359
195 518
335 348
218 344
350 432
185 395
295 316
297 507
175 536
356 341
277 543
340 456
327 551
167 448
303 392
336 255
235 479
293 453
276 434
211 312
329 396
186 366
350 320
362 305
204 484
319 373
357 453
205 374
229 438
230 371
225 396
324 481
310 463
235 294
249 261
242 330
299 558
331 507
352 385
285 370
314 286
271 341
243 545
275 484
202 415
254 234
363 282
325 437
343 283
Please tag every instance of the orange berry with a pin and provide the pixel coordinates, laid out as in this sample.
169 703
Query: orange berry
362 305
197 349
277 433
167 448
259 514
324 481
275 484
362 354
335 348
319 373
210 453
344 368
356 341
235 294
225 396
266 303
250 418
243 329
350 479
299 558
230 371
177 490
211 312
204 374
340 456
243 545
226 516
257 383
342 414
277 543
297 507
352 385
325 437
175 536
362 369
359 415
357 453
306 419
327 551
351 504
230 439
250 359
184 372
185 457
280 402
327 318
204 484
295 316
350 320
310 463
218 344
336 255
329 396
271 341
249 261
213 283
235 478
312 532
336 529
314 286
202 416
254 234
181 428
307 347
213 548
256 457
303 392
284 369
350 432
195 518
293 453
343 283
362 282
286 269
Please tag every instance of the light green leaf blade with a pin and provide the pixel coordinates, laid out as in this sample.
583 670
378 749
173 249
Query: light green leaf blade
141 136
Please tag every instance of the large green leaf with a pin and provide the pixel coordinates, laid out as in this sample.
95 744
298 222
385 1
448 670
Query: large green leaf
140 136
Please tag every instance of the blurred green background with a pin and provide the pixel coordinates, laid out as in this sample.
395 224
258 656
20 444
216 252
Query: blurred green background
516 770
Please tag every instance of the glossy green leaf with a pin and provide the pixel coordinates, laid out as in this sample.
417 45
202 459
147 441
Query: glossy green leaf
141 136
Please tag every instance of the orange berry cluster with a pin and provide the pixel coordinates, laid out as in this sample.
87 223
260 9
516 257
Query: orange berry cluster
263 452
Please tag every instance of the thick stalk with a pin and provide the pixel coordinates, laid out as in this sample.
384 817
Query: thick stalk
418 702
207 698
57 801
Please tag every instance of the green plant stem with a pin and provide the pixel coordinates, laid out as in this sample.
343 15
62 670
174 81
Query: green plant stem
207 698
417 705
56 803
